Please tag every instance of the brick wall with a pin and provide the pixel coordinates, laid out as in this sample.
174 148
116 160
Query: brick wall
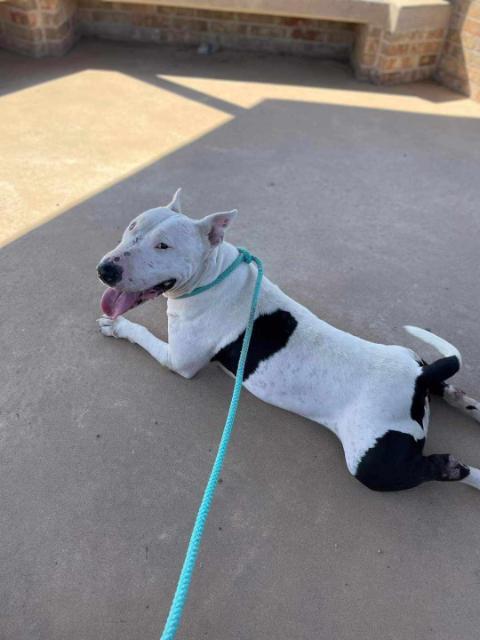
383 57
37 27
459 66
50 27
152 23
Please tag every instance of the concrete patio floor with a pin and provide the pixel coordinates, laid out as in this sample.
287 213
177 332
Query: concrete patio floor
363 204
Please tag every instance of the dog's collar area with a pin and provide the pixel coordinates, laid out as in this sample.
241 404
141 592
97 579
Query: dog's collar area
243 256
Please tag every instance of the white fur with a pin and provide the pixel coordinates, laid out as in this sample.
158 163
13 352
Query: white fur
473 478
441 345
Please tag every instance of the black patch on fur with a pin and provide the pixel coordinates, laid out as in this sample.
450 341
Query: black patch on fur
393 463
438 389
440 370
271 332
470 407
417 410
431 380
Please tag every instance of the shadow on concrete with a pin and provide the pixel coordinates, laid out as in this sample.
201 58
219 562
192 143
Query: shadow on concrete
18 72
368 217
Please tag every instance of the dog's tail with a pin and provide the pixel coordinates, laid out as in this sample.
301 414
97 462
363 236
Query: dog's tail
434 374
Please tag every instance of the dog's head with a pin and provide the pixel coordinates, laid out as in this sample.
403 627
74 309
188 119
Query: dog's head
161 250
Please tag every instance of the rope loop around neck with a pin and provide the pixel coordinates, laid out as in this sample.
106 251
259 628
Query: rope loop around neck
243 256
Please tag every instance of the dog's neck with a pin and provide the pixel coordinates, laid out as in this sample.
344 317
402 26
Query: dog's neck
215 262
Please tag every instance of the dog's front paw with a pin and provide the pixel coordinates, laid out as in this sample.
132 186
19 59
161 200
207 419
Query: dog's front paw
117 328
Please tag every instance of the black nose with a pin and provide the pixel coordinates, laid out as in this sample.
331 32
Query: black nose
109 272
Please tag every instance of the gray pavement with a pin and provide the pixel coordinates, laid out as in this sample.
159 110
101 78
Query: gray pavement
370 218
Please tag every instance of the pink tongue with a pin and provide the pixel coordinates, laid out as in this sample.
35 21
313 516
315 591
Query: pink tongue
114 302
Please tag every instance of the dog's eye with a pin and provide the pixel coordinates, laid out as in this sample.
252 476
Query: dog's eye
162 245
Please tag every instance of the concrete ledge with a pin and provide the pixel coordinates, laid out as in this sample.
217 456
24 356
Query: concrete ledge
386 14
373 11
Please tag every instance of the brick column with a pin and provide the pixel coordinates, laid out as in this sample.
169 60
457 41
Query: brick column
459 66
37 27
384 57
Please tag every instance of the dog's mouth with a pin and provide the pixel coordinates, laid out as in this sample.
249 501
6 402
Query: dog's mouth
115 302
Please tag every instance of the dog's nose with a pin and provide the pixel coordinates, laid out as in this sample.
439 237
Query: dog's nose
109 272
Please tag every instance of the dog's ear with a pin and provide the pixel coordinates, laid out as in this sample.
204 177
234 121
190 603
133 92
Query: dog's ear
214 226
175 204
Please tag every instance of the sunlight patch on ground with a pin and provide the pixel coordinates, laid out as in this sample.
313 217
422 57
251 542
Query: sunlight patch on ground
65 140
422 97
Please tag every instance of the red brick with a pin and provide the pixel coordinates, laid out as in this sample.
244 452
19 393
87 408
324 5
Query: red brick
388 63
340 37
374 32
407 62
474 10
267 32
394 49
472 58
474 76
371 45
52 19
294 22
476 95
23 4
84 15
136 8
425 47
435 34
60 32
94 4
455 67
27 34
472 26
308 34
469 41
49 5
367 60
111 16
421 74
214 15
24 19
227 27
254 18
427 60
188 25
153 21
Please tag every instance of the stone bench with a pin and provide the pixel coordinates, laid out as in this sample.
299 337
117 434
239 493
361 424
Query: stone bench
387 41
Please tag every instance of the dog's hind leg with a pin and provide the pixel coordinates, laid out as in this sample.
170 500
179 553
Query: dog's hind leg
443 467
395 463
458 399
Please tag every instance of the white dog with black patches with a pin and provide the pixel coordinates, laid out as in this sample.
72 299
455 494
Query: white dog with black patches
374 397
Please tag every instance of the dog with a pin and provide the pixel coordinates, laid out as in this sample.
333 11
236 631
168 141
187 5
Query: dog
374 397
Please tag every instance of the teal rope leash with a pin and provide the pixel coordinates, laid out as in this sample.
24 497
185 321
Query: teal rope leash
183 585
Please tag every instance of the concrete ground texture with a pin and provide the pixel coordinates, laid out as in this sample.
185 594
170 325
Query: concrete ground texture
363 204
